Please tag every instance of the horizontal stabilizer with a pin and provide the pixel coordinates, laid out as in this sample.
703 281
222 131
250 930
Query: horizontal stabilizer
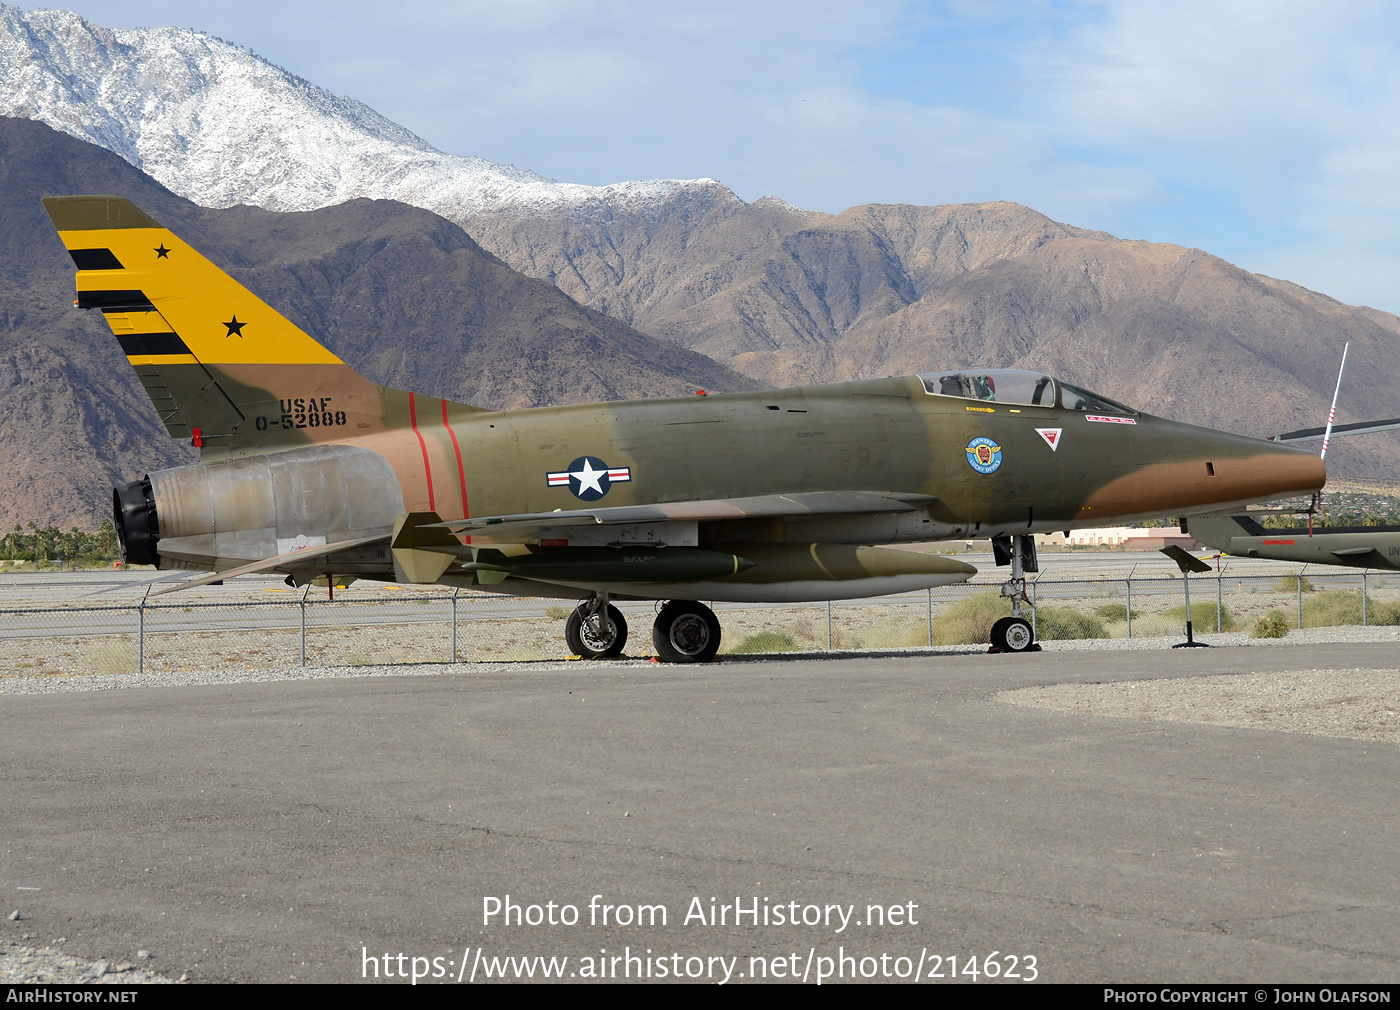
1359 428
290 558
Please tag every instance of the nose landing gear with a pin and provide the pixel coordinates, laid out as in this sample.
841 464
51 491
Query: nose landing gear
1014 633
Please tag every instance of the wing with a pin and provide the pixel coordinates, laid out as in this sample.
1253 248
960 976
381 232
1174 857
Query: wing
803 504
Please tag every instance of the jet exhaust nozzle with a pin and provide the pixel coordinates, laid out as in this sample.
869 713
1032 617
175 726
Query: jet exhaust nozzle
138 526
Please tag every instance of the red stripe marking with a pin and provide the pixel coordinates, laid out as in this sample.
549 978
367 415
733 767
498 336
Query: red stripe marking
427 467
1267 542
461 471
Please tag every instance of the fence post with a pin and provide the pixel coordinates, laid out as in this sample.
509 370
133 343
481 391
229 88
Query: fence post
1219 601
454 622
1129 581
141 637
828 625
1300 596
1363 598
930 616
1035 630
303 623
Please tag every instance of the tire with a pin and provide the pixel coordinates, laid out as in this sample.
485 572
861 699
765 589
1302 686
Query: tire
1017 636
686 632
998 635
582 641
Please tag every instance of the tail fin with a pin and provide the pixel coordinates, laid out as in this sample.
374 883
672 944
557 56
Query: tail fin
221 366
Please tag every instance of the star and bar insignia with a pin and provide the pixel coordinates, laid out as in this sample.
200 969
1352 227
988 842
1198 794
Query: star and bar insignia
589 478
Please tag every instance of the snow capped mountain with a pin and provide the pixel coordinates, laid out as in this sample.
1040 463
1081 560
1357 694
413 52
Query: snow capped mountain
220 126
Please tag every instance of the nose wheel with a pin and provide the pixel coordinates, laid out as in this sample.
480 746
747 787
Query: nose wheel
596 629
686 632
1014 633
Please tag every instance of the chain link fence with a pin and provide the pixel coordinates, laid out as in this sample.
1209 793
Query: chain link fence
389 625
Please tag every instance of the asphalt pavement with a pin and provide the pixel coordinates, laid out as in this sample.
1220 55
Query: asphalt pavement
304 830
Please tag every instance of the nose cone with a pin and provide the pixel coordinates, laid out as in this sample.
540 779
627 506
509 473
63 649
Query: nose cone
1182 468
1275 471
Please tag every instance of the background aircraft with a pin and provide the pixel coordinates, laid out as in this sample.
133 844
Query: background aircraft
1353 546
307 468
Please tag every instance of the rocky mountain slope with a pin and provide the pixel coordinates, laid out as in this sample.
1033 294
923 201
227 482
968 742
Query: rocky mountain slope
403 295
221 126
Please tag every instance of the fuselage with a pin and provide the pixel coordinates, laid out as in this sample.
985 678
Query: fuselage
1042 466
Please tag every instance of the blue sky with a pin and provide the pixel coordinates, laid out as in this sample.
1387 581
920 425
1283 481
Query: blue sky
1267 133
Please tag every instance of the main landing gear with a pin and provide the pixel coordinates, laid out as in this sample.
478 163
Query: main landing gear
1014 633
596 629
684 632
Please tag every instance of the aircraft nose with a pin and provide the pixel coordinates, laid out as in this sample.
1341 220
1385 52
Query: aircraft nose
1275 471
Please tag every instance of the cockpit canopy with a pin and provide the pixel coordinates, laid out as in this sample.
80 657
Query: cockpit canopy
1016 385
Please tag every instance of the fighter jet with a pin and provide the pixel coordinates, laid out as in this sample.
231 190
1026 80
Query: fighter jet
309 469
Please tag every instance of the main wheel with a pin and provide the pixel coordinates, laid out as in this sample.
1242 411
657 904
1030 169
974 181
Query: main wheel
585 637
686 632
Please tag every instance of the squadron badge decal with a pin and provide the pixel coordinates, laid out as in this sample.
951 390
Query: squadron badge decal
589 478
983 455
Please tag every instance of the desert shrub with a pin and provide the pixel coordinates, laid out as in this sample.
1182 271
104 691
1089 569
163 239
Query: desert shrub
1289 584
1058 623
1380 612
1331 608
969 621
557 613
1115 612
1272 625
1203 617
766 641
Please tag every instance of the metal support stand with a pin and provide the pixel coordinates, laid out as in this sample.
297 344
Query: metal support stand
303 622
1188 563
454 623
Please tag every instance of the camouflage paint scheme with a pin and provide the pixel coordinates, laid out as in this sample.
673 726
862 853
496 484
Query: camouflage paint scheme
299 453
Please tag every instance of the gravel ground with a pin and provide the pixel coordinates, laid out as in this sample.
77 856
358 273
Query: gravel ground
1352 704
40 681
20 964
